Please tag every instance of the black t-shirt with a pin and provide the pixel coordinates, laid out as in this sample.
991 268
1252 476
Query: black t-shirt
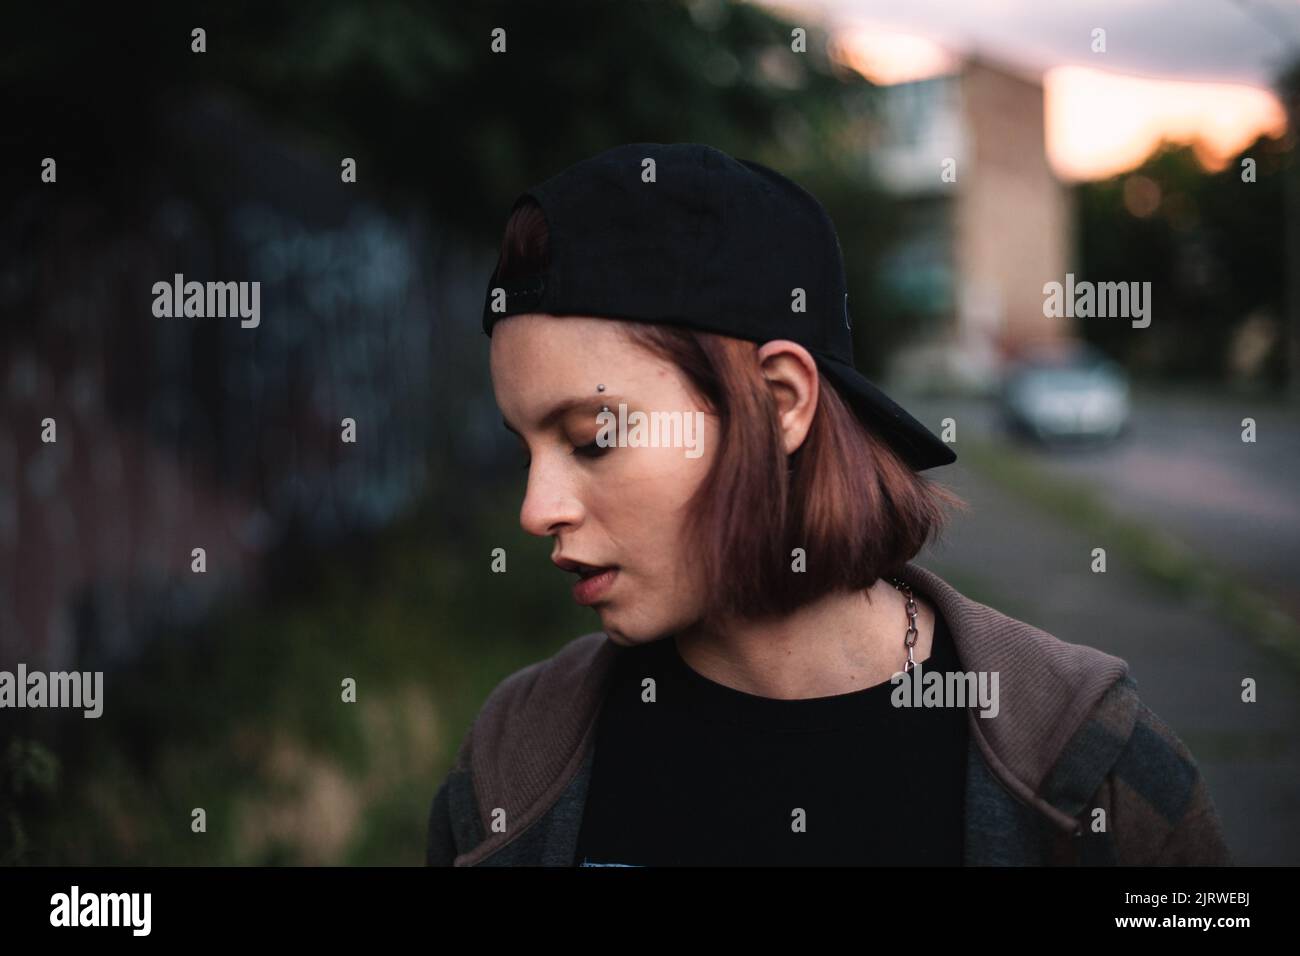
709 775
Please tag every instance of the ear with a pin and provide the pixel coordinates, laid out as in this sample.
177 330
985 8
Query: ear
791 374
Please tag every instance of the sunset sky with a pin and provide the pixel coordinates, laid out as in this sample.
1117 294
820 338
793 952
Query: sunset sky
1191 71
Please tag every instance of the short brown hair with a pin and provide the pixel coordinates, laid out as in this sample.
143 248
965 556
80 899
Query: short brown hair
854 506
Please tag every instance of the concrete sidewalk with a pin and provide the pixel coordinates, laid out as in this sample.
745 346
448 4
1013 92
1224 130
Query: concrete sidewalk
1188 665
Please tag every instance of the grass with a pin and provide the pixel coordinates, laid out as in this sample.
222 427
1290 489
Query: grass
244 718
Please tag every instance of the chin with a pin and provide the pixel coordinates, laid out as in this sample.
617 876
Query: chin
627 633
619 634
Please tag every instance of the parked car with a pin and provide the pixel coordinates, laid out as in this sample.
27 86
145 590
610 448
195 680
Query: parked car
1066 392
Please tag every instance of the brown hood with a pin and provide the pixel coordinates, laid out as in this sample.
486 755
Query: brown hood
534 730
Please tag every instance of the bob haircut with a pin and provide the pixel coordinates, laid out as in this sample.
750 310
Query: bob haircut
857 510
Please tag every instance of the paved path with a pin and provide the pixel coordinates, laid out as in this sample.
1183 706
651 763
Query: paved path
1184 469
1188 664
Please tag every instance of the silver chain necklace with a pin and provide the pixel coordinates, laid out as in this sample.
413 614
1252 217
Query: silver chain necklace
909 639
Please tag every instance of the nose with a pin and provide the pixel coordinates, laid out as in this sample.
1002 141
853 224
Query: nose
550 503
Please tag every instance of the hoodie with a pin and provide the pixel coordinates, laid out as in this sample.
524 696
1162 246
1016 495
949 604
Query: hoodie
1073 770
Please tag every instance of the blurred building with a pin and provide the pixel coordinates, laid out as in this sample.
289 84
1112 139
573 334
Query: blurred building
985 221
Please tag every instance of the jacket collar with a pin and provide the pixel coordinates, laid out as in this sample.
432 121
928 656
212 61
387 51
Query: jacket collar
535 729
1048 691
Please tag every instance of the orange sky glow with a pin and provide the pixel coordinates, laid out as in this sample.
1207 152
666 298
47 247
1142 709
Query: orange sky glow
1097 123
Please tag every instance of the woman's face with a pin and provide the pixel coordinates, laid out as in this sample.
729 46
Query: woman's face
620 508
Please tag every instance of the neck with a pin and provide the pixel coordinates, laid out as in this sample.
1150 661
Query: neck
839 644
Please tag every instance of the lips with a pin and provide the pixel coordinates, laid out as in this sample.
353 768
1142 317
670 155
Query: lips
594 580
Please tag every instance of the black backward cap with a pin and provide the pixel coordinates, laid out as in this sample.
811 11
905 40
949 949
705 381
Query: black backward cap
713 243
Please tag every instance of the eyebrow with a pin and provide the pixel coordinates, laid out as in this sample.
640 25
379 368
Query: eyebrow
558 411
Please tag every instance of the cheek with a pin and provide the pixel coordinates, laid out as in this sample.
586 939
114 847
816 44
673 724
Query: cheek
679 469
645 510
656 484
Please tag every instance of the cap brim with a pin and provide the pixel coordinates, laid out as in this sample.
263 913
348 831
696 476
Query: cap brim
918 446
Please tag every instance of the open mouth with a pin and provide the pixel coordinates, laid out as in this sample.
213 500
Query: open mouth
581 568
594 581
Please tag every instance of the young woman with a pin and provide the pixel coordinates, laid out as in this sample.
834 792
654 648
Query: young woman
774 681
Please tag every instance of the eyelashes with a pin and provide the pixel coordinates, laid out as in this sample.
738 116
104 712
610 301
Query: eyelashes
592 451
